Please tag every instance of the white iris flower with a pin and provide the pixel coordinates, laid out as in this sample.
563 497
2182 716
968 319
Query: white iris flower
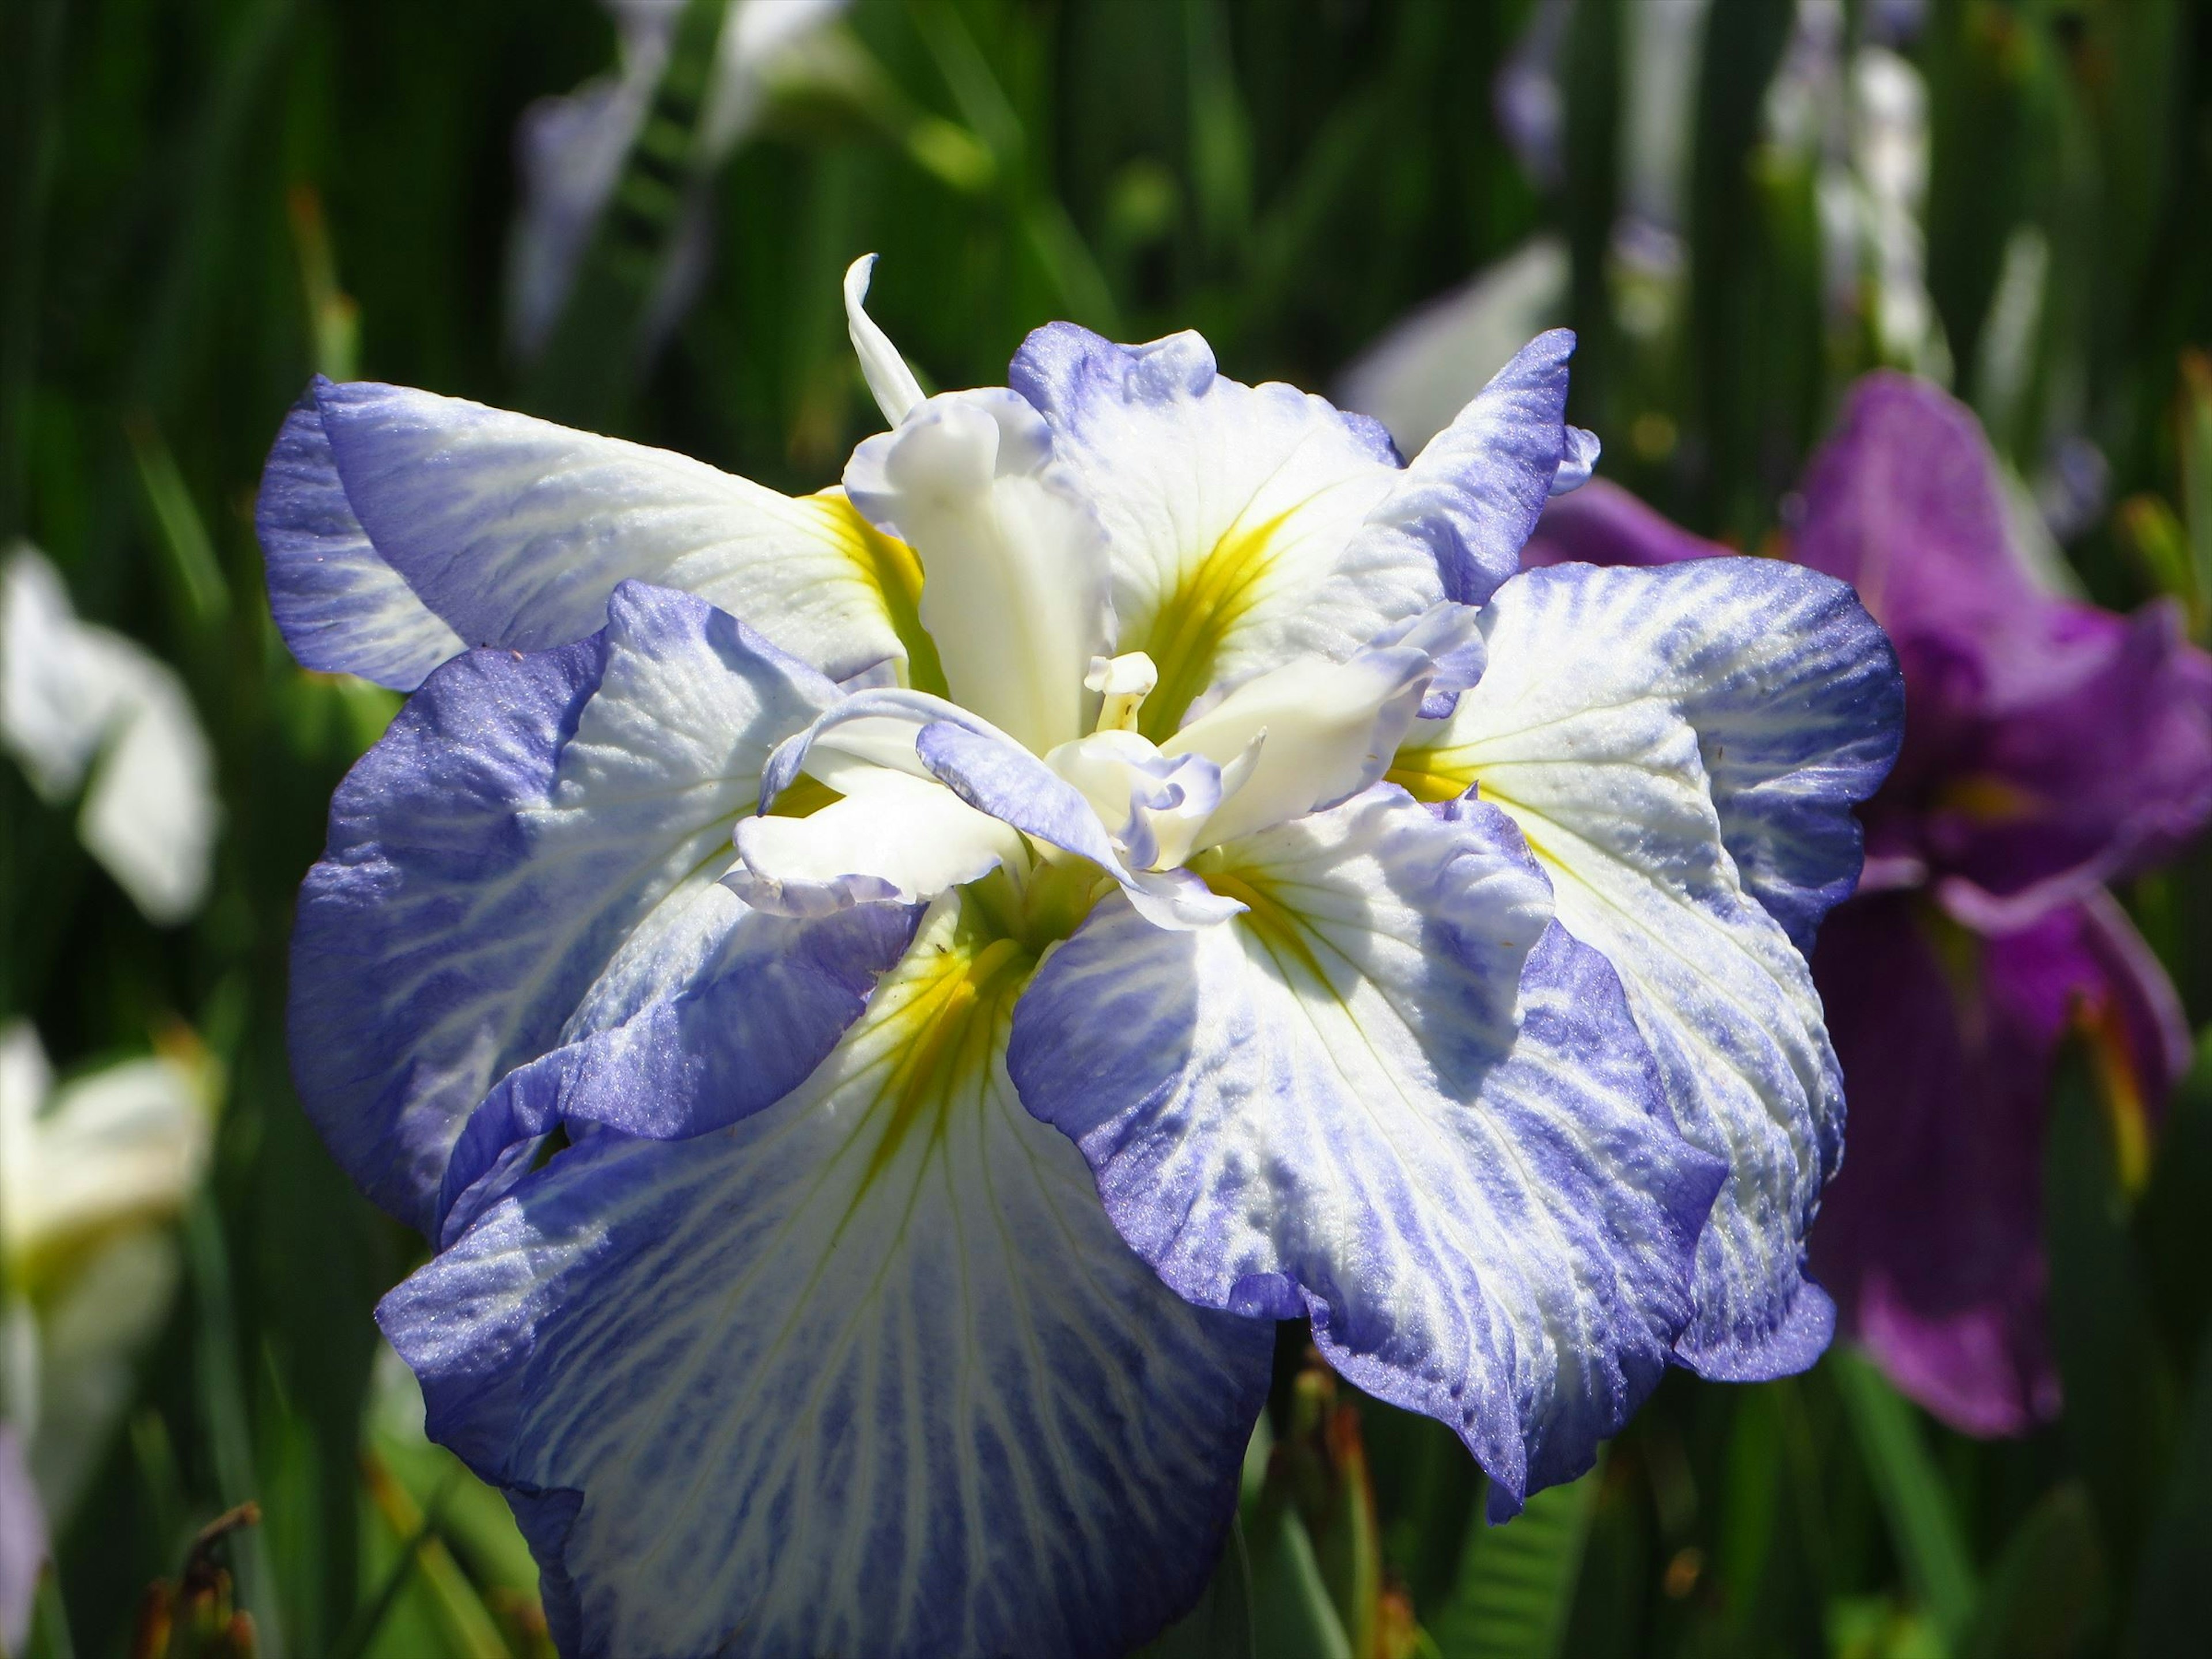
883 998
91 1175
76 698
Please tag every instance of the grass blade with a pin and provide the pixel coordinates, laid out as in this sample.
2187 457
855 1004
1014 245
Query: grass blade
1517 1581
1921 1523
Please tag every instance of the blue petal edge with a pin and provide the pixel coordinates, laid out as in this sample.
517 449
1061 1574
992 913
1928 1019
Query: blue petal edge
1473 493
868 1371
1328 1110
529 855
341 607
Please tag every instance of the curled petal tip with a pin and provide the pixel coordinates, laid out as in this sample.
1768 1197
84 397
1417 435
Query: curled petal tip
896 389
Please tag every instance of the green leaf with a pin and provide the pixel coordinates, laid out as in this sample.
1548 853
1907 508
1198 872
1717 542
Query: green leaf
2046 1590
1292 1616
2197 470
2111 1367
49 1636
222 1397
178 528
1921 1523
595 352
1516 1579
2170 1220
2174 1594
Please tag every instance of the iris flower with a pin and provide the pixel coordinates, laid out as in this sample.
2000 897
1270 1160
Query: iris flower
76 699
92 1174
2052 747
571 150
883 998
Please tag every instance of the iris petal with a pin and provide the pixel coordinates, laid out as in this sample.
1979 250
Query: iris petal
1338 1104
1231 511
532 851
340 605
869 1372
1470 498
513 532
1014 589
891 836
1617 706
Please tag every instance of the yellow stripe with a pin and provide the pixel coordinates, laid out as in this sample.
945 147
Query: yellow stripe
948 1028
1427 775
1188 628
889 565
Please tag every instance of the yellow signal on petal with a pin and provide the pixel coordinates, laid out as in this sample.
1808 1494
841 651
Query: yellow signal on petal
1210 599
890 566
1430 774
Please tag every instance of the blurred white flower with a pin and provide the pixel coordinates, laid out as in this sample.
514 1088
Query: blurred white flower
90 1175
570 151
1420 375
75 697
1889 156
1860 121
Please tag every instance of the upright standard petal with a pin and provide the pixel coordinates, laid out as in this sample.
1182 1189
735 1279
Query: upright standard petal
1014 571
868 1372
532 852
1470 498
892 382
1641 726
513 532
1232 512
1351 1102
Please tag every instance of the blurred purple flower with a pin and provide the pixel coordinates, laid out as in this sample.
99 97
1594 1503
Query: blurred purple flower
2050 747
23 1542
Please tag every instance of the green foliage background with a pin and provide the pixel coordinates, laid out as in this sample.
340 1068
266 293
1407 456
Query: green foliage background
203 200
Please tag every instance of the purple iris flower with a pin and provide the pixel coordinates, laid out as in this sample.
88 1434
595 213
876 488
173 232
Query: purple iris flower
2049 748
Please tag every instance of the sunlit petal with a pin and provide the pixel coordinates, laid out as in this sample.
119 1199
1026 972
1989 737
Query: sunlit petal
1376 1099
869 1372
1014 573
513 532
1231 511
533 852
1617 706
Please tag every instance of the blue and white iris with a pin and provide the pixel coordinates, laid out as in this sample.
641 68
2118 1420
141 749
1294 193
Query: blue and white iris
1133 786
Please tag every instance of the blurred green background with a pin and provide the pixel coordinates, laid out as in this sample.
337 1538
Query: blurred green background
203 202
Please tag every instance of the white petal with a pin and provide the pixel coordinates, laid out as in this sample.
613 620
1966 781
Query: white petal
1325 731
897 392
69 691
1014 573
868 1373
1231 511
151 814
1616 705
58 688
892 837
124 1144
